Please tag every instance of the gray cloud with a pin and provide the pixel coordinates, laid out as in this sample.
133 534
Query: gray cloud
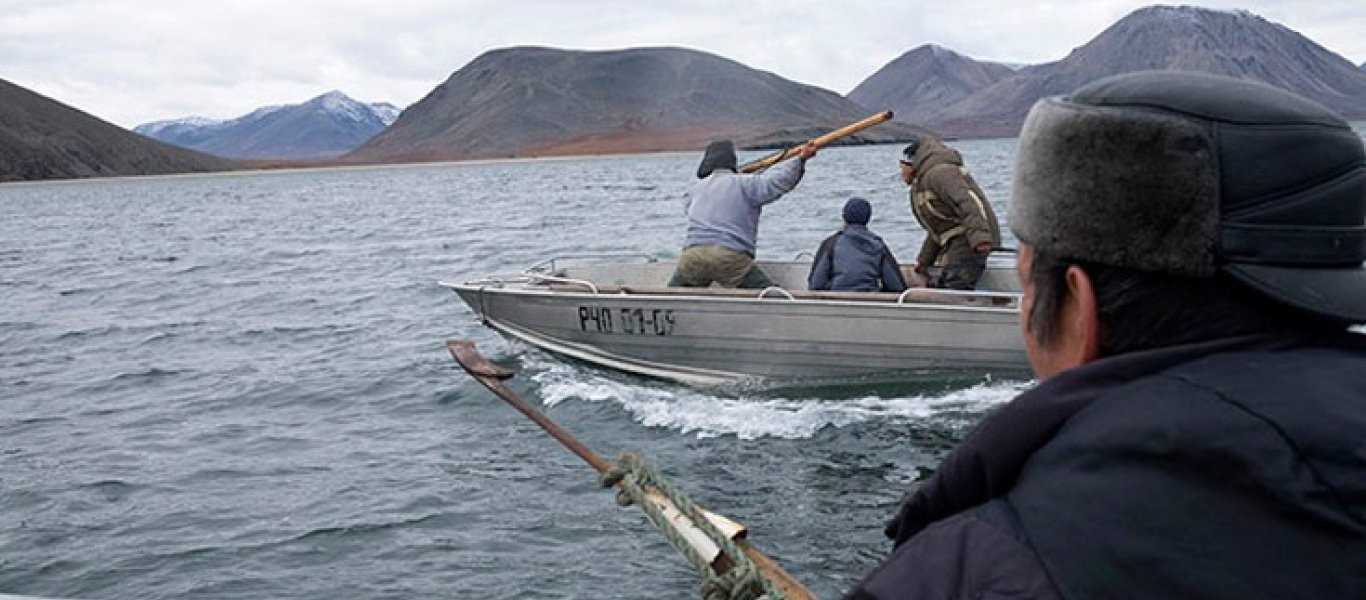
131 61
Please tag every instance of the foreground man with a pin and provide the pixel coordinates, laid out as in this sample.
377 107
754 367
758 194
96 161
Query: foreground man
1192 255
723 211
960 225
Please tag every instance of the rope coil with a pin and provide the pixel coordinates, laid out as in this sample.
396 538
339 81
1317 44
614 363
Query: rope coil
743 581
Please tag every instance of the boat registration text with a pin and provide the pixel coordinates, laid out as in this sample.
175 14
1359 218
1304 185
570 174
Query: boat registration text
626 321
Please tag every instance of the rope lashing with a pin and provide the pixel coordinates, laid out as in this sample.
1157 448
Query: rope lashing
743 581
667 508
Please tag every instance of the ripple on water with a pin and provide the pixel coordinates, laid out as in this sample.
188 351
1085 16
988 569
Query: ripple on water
163 259
113 490
150 373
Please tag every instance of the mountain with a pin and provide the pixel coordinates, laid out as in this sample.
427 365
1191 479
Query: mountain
533 101
324 127
921 82
1232 43
41 138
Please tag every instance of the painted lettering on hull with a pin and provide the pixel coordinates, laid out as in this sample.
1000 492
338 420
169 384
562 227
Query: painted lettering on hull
626 321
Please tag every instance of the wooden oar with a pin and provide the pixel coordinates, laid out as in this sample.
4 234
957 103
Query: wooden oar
821 141
492 376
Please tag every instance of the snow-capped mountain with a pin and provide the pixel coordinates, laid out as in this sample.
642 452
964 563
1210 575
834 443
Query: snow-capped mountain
326 126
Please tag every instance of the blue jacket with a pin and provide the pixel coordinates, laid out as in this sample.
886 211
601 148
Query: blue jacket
1225 469
723 208
856 260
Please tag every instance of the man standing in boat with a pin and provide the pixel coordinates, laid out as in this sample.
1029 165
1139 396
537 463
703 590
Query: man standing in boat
1189 279
723 211
960 225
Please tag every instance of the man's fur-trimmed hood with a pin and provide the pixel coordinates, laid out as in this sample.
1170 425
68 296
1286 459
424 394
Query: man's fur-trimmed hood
933 153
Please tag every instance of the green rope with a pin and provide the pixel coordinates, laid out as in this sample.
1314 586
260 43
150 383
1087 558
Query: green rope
743 581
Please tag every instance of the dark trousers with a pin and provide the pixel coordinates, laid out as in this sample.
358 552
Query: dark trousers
960 266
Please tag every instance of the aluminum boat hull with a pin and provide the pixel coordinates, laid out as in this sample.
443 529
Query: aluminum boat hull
710 339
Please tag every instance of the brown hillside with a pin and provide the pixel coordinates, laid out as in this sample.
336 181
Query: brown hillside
41 138
1233 43
920 83
539 101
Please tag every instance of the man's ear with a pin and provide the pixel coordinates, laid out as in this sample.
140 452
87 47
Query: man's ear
1081 319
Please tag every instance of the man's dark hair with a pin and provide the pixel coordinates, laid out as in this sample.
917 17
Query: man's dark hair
913 146
1140 310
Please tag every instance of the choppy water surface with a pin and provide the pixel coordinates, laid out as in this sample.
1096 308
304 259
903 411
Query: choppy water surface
235 386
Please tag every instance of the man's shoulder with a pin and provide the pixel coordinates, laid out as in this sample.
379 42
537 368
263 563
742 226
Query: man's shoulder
1296 377
865 240
1255 412
1270 440
1303 391
1342 350
943 174
1254 377
978 553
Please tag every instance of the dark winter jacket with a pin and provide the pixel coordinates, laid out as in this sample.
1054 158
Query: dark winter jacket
855 259
1229 469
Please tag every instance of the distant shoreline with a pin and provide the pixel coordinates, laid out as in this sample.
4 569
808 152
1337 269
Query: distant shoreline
1358 126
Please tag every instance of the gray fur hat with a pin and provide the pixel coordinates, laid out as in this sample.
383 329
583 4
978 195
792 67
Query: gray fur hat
1191 174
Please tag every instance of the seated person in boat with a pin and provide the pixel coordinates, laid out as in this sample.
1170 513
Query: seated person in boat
723 212
1197 428
960 225
855 259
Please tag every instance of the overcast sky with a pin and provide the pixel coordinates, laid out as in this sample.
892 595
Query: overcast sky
133 61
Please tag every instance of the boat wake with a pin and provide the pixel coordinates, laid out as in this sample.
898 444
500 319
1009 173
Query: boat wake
697 412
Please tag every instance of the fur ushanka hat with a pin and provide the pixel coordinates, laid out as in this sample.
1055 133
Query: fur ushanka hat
718 155
1191 174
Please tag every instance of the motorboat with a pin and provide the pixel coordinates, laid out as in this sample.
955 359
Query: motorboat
617 311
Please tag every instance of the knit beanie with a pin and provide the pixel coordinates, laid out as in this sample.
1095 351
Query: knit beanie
857 211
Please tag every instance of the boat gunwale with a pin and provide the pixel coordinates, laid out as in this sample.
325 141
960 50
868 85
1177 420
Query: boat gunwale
529 288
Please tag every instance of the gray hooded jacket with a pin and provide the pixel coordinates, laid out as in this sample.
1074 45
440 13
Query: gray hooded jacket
723 208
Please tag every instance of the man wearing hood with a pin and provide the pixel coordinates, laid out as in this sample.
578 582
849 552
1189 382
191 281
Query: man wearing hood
960 225
1191 254
855 259
723 211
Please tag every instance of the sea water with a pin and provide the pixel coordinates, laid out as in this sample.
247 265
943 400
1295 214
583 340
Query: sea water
234 386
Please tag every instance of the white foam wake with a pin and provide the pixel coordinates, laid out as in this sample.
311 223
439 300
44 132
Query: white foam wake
698 413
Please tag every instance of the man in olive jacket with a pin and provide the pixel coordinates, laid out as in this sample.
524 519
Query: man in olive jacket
1197 431
960 225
